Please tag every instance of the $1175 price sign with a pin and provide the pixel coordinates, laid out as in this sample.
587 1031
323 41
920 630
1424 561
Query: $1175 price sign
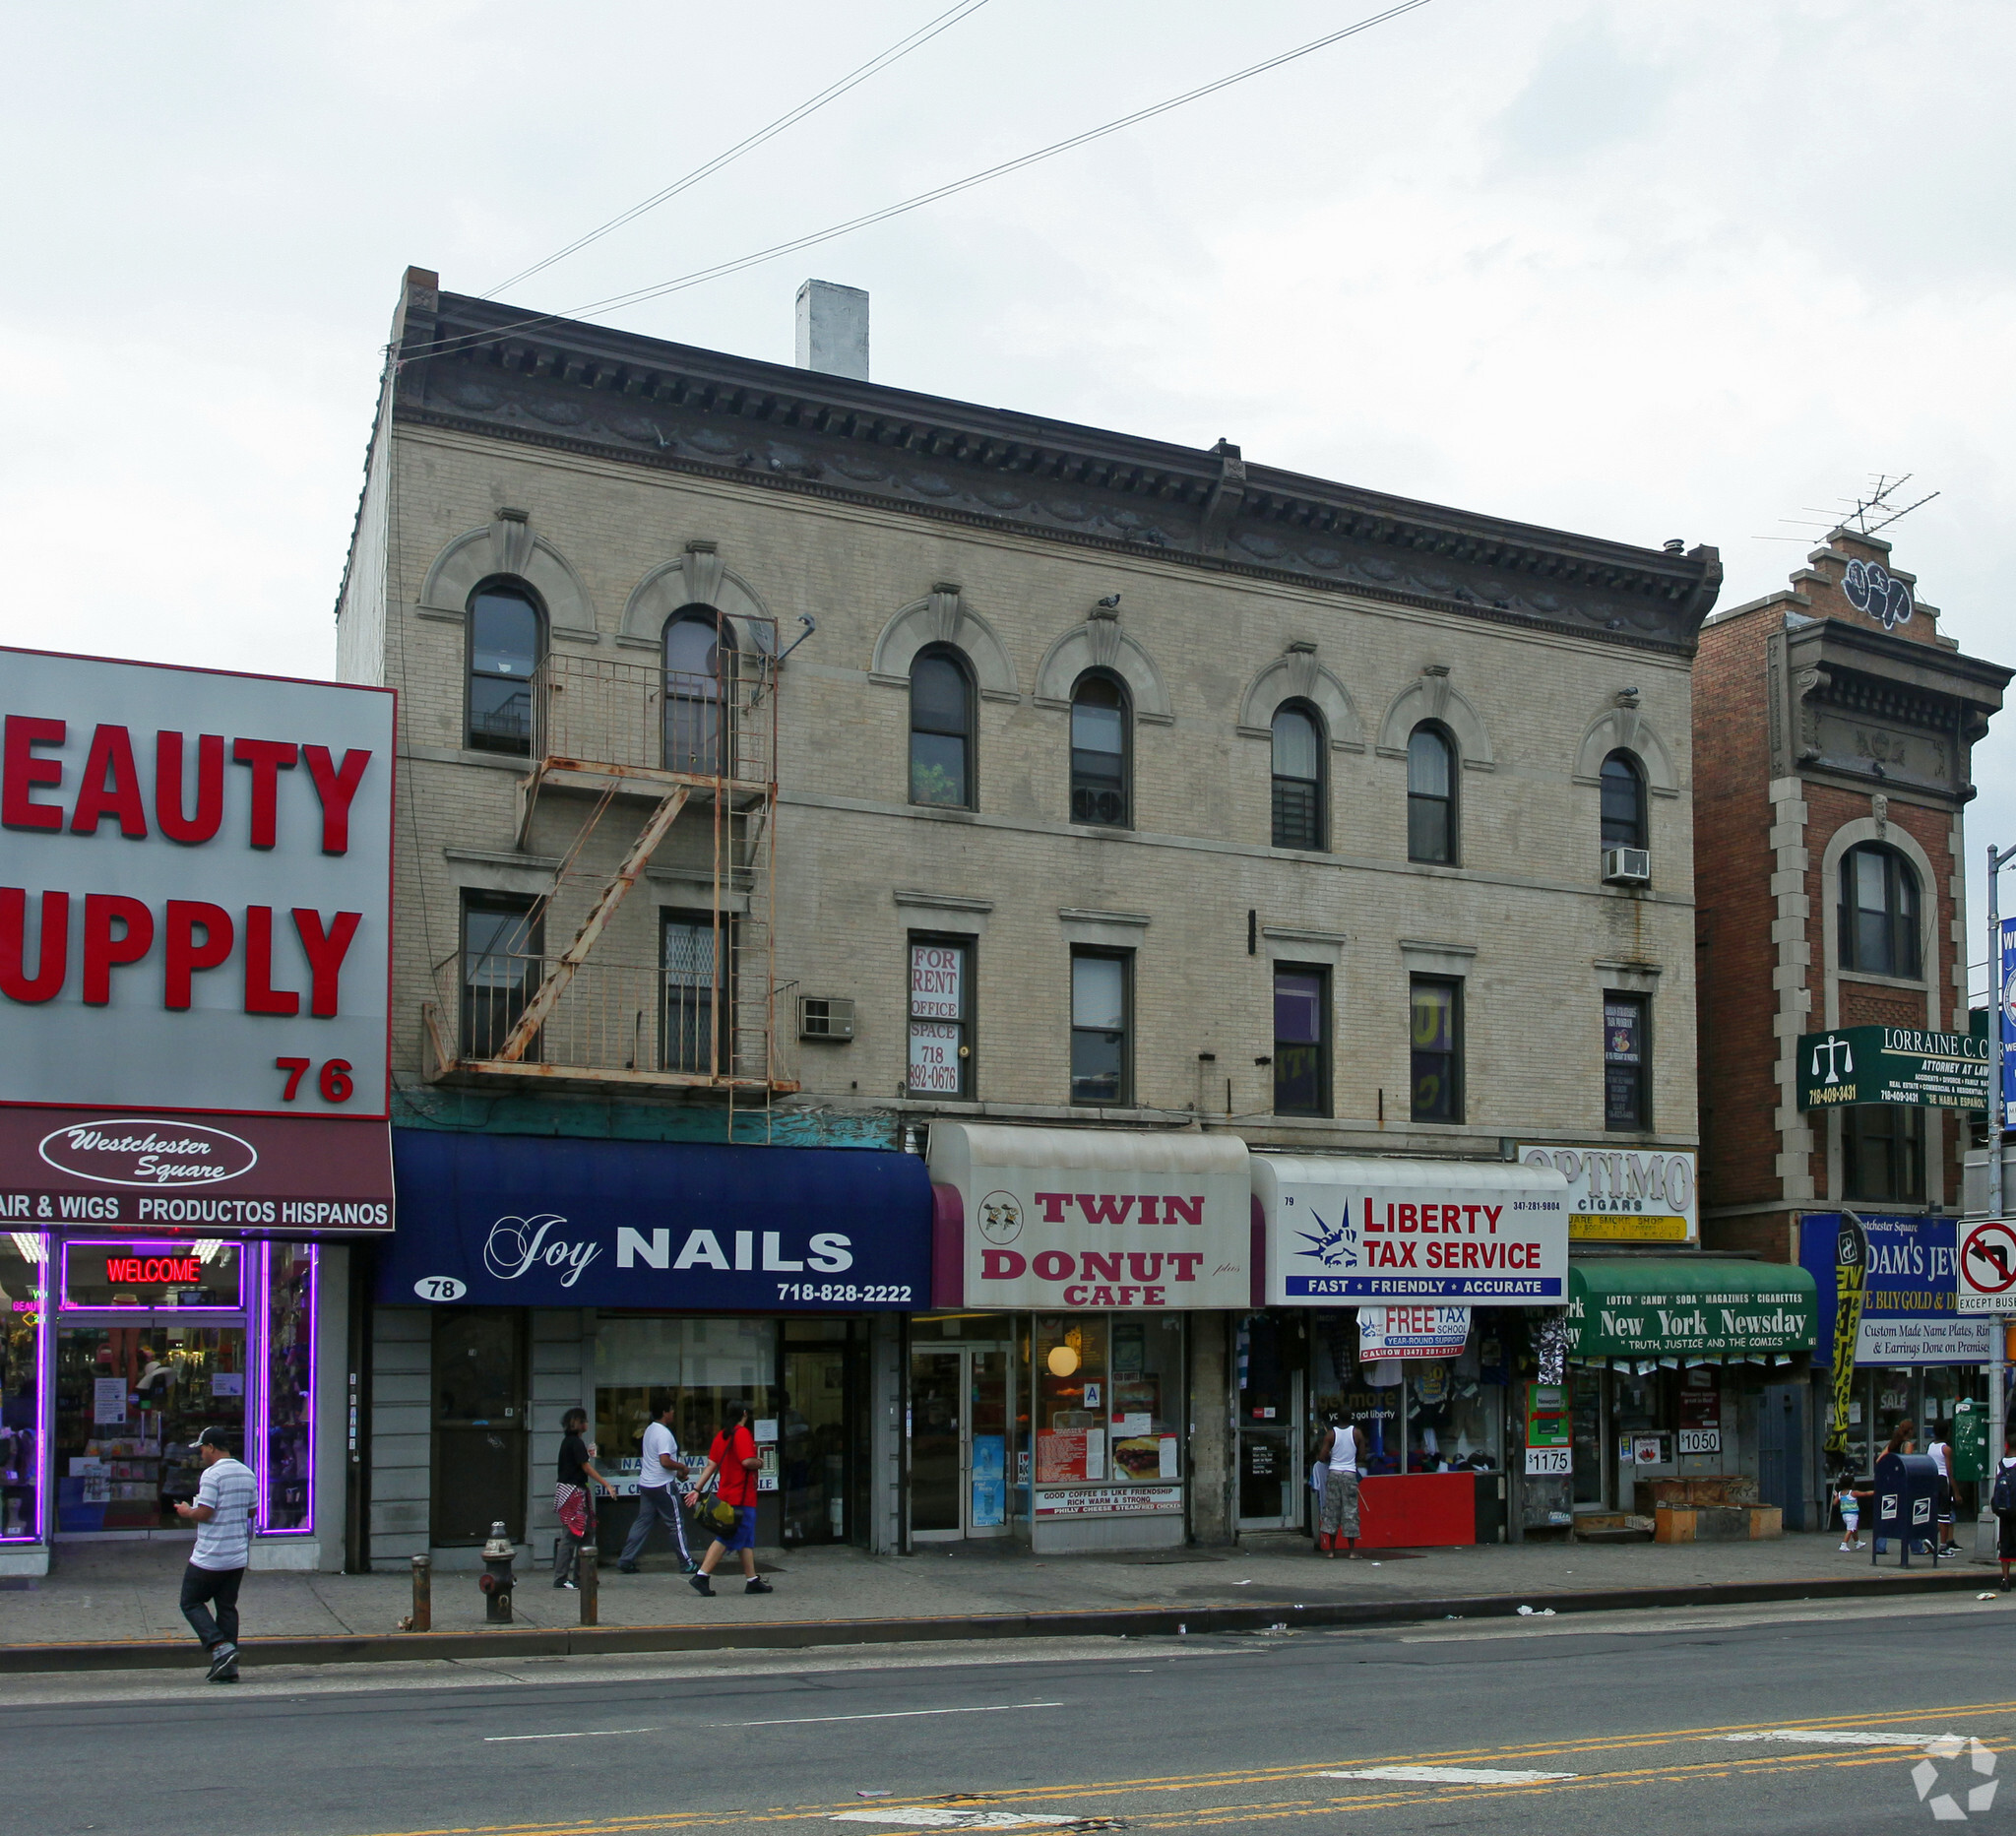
1549 1462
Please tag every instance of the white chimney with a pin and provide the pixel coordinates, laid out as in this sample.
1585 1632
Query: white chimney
833 329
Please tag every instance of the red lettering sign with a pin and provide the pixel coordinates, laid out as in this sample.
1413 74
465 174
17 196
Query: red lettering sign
153 1271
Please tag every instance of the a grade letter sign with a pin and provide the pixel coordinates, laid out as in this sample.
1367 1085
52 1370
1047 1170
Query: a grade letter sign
1893 1065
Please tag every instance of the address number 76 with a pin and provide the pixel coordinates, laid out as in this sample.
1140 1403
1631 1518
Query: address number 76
332 1081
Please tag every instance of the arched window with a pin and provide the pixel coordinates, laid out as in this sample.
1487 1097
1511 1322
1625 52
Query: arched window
1297 777
504 646
1878 928
940 731
1432 797
1100 776
1623 803
696 723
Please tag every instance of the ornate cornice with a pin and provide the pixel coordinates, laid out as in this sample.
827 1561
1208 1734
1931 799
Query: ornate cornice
461 364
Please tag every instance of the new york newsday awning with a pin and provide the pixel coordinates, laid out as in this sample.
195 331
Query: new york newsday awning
1659 1308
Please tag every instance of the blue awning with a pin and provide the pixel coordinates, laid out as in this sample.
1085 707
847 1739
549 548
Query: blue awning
543 1220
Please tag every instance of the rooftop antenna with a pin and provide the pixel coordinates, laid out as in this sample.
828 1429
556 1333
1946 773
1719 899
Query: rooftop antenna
1865 515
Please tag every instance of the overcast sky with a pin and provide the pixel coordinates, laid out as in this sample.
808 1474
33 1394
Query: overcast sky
1639 270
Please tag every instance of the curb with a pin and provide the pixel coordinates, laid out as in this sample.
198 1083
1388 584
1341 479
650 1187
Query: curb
809 1634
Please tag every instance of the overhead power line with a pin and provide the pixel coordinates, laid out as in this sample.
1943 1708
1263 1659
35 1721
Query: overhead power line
923 35
615 301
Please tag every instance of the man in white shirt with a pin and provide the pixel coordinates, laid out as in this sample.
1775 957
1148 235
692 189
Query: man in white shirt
222 1516
657 1497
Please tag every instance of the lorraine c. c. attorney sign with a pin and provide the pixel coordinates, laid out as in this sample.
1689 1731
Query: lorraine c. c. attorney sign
1893 1065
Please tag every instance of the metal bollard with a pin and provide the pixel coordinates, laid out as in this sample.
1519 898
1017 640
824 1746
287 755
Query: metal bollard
423 1595
588 1585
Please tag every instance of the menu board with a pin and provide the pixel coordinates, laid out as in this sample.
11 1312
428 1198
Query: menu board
1109 1500
1060 1457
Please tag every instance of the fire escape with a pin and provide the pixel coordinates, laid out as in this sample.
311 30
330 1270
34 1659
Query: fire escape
636 765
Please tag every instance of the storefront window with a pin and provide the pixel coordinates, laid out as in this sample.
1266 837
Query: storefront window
706 1363
285 1466
1893 1404
130 1400
1109 1394
24 1296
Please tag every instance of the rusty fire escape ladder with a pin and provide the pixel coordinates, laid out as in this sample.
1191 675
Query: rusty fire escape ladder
612 895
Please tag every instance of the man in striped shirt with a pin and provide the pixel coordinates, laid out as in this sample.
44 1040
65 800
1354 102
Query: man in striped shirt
222 1516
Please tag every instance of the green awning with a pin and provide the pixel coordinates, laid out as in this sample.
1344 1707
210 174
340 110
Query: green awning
1655 1308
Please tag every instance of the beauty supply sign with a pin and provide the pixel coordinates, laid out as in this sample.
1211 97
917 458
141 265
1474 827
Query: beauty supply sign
1623 1195
1480 1233
1091 1218
195 895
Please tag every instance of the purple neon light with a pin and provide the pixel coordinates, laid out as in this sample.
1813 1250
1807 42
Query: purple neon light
311 1322
169 1245
45 1408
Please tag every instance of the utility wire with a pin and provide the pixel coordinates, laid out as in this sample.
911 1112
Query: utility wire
471 341
923 35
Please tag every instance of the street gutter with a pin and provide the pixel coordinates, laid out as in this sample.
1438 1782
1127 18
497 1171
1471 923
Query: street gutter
809 1634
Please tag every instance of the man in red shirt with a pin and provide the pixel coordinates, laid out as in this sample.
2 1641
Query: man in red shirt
734 1459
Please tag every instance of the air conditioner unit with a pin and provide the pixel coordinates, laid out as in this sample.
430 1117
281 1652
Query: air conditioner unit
826 1017
1628 867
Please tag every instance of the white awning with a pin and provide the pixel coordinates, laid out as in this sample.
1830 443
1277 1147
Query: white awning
1339 1232
1073 1218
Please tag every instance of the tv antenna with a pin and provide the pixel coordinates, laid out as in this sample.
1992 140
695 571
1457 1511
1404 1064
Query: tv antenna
1865 515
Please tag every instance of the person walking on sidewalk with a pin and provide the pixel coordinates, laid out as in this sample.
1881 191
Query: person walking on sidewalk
657 1497
731 1461
570 1496
2002 1501
1341 1452
222 1516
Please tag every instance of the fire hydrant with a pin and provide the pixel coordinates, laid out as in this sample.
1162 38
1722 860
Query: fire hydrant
497 1580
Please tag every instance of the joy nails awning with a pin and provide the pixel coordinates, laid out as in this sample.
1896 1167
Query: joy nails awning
1659 1308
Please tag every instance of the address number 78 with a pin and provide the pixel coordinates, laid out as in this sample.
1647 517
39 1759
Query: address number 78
332 1081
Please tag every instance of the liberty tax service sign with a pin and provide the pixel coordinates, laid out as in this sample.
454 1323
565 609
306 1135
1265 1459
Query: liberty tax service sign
1487 1233
195 946
1095 1218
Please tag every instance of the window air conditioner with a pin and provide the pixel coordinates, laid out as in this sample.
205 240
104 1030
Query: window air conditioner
825 1017
1628 867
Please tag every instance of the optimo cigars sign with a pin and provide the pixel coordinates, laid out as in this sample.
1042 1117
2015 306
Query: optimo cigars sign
1094 1217
1623 1195
1893 1065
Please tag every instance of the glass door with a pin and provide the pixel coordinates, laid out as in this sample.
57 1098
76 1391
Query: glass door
1592 1472
960 1407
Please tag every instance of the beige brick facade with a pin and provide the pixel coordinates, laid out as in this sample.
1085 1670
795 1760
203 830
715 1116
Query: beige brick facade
1194 887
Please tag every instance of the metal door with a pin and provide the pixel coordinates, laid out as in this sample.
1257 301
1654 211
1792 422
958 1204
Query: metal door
959 1412
1780 1451
479 1475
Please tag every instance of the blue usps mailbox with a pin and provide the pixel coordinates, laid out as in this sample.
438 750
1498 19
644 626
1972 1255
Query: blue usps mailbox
1907 1504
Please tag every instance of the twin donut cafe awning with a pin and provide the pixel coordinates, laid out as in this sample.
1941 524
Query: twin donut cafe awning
1661 1308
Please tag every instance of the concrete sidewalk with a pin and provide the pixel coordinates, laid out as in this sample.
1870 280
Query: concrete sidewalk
101 1595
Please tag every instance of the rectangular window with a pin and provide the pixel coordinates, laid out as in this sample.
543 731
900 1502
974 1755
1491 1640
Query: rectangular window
1627 1061
1436 1034
940 1017
695 955
502 965
1883 1152
1101 1050
1302 1040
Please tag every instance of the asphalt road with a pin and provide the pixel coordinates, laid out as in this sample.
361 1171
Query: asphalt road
1779 1720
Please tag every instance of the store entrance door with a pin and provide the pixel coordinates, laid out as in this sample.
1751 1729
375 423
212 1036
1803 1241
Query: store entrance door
1271 1477
479 1475
957 1442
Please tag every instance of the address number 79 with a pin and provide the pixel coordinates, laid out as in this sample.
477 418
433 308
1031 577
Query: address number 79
332 1081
